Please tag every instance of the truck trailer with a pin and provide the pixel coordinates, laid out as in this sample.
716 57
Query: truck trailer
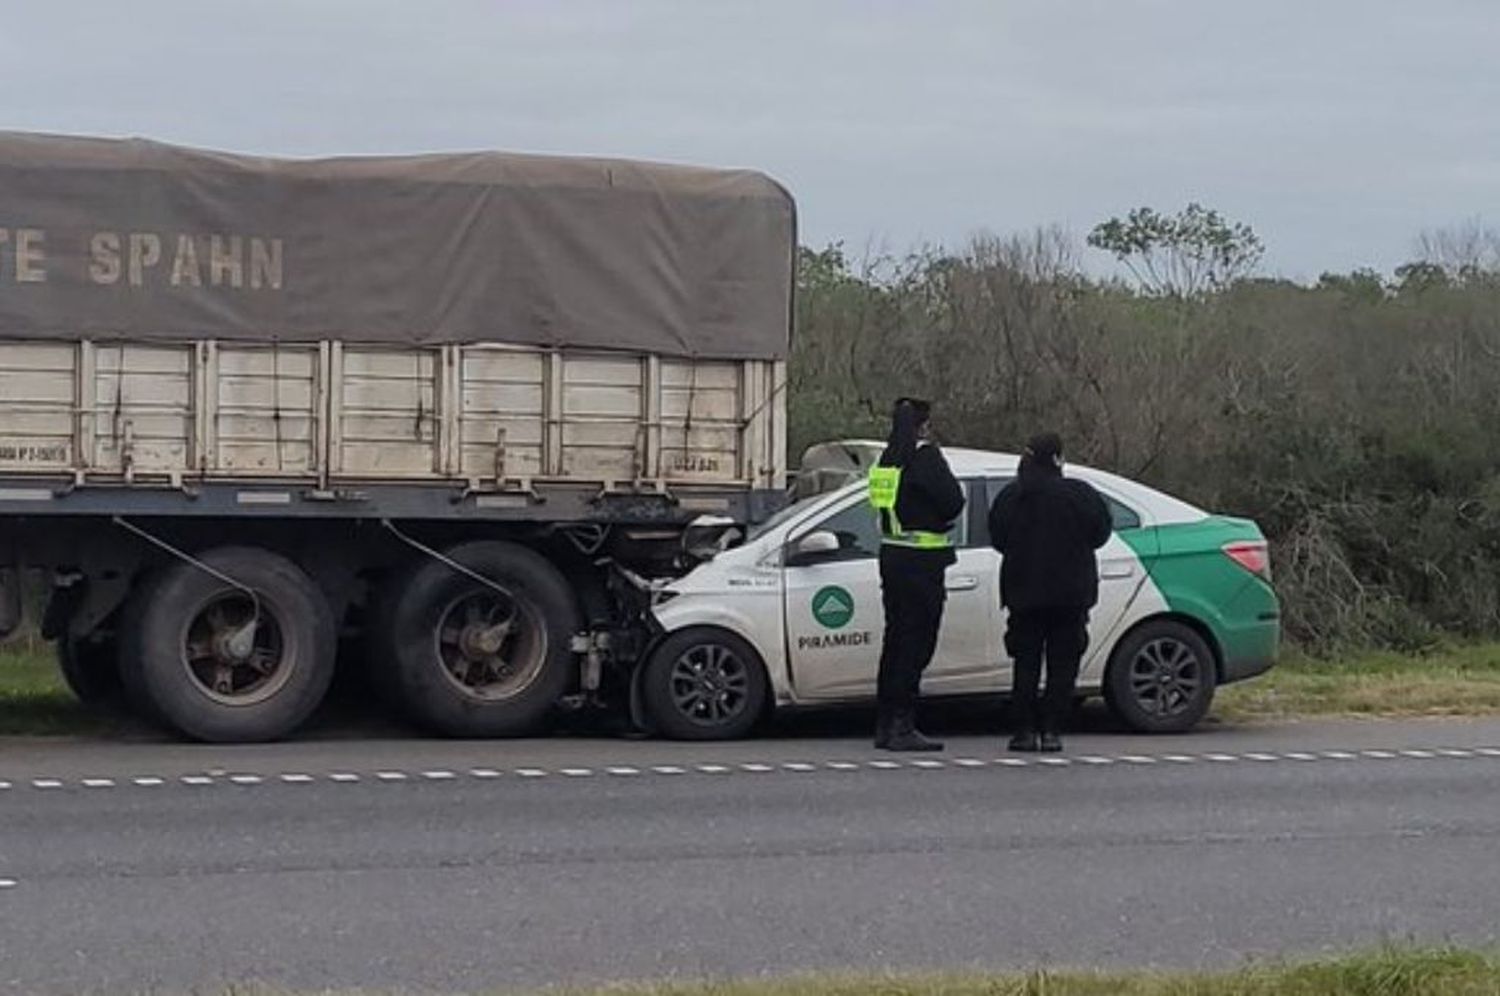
439 418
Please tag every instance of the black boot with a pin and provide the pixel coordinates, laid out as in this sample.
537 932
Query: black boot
905 737
883 723
1051 743
1025 741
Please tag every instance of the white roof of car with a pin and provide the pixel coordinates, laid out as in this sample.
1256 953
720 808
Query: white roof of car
1162 508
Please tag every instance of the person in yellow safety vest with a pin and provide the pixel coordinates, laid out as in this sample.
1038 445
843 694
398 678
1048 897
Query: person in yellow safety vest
918 500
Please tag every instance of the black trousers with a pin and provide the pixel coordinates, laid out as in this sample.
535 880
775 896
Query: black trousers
913 591
1060 637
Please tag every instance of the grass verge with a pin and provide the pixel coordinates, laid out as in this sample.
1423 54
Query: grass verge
1392 972
33 699
1451 681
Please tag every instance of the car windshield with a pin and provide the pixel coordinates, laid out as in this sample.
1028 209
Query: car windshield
782 517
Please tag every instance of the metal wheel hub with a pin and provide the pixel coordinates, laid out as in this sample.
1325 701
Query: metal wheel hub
710 685
233 650
1166 677
491 644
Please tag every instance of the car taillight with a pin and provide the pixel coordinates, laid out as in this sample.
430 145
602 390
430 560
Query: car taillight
1253 557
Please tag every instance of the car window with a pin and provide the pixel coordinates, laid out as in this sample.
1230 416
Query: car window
1121 516
972 529
857 530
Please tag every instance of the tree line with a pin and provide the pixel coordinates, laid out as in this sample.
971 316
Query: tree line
1357 419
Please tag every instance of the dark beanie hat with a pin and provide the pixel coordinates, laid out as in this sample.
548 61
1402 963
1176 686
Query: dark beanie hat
1046 447
921 407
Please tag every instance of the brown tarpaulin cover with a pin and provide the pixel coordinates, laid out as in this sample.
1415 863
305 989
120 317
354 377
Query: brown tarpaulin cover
111 239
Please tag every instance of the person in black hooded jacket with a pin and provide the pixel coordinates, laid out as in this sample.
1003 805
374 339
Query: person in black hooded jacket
1047 528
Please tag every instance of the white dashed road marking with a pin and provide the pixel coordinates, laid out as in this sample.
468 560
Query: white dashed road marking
7 883
251 779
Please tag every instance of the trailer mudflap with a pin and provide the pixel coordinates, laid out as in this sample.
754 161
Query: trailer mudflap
10 601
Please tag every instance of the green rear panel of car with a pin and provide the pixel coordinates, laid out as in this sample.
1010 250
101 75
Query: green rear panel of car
1197 579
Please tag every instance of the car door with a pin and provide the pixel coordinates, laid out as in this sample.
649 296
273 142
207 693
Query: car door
1121 575
970 646
835 618
833 611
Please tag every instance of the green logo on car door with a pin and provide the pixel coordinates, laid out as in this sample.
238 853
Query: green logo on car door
833 607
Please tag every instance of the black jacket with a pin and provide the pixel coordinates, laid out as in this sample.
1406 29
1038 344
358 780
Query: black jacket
930 499
1047 532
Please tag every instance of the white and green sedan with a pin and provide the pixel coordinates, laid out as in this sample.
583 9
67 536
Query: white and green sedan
792 616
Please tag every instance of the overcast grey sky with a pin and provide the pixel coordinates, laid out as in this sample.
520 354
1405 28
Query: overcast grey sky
1338 128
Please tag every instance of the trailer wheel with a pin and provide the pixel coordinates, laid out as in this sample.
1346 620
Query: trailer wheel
469 659
203 657
91 670
705 684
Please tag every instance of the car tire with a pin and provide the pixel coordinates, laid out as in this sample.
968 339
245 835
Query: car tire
465 659
704 684
91 670
199 655
1161 678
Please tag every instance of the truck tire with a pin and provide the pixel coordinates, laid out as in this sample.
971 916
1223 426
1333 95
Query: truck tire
197 656
91 670
467 659
1161 678
704 684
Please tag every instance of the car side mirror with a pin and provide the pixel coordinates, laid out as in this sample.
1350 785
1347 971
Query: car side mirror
813 547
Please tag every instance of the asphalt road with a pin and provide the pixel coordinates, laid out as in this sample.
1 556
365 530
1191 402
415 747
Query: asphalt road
441 866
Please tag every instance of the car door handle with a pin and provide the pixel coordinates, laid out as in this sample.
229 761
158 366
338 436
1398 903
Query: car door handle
963 584
1117 570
